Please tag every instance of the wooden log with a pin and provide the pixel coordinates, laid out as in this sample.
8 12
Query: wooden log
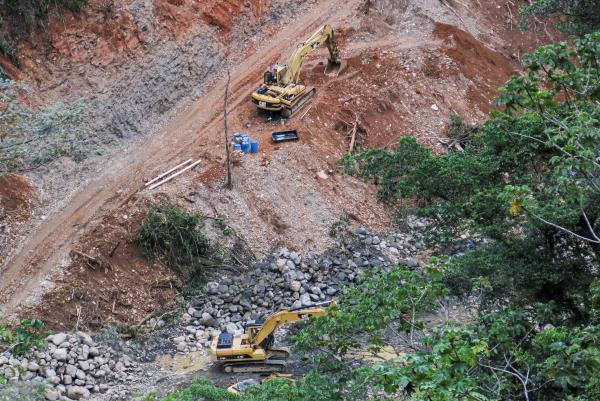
169 178
167 172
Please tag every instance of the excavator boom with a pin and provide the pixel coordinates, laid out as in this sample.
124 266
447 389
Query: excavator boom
285 316
322 35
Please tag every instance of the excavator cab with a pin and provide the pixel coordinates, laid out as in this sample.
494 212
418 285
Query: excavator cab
274 76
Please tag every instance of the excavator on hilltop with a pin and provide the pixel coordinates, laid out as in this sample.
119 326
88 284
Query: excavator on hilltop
282 89
252 350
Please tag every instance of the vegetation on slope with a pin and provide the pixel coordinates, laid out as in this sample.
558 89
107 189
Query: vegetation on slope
528 180
31 137
581 15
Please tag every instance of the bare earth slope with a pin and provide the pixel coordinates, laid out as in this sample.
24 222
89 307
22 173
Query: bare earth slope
410 64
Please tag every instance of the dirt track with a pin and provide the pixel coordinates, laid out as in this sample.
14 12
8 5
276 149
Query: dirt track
51 242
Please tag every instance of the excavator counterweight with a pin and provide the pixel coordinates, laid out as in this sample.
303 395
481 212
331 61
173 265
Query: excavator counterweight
282 89
252 350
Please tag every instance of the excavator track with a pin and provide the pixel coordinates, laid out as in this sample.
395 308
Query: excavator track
309 93
268 366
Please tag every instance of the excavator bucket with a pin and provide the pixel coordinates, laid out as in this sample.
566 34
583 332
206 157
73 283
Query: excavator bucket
335 67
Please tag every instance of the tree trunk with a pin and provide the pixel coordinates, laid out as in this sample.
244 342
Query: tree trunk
229 183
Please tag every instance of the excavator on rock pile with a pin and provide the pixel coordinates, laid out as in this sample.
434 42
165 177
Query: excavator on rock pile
282 90
252 350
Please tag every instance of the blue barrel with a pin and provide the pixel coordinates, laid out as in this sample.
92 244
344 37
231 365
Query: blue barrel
245 147
237 146
254 147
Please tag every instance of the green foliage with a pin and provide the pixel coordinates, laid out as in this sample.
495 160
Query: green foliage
399 296
339 227
581 15
529 180
175 237
526 181
201 389
30 137
386 168
23 337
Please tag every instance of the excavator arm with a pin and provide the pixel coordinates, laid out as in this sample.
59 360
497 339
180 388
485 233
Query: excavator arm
294 64
288 316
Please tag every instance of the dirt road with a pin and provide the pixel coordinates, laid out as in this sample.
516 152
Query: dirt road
43 251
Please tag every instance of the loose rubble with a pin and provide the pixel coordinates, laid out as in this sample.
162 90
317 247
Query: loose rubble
287 279
72 367
76 367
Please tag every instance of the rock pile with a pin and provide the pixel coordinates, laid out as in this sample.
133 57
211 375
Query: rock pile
73 366
289 279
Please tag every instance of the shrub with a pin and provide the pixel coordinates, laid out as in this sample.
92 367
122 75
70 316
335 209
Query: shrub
582 15
174 237
22 338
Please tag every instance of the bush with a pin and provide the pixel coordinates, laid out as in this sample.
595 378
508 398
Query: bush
582 15
22 338
174 237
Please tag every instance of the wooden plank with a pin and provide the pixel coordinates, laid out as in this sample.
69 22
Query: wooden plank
169 178
167 172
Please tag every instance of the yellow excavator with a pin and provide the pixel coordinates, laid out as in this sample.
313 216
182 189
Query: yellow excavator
252 350
282 89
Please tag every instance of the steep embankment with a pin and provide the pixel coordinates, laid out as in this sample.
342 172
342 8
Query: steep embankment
407 71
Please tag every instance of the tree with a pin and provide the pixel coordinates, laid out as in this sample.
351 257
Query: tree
581 15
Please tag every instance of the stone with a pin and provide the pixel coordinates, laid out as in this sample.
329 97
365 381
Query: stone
51 395
58 338
85 338
100 373
305 300
60 354
195 312
231 328
94 351
77 393
181 347
84 365
33 367
295 286
411 262
80 374
67 379
70 370
53 380
206 319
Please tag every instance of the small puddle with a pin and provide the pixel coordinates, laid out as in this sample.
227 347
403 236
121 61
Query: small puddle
386 353
185 363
